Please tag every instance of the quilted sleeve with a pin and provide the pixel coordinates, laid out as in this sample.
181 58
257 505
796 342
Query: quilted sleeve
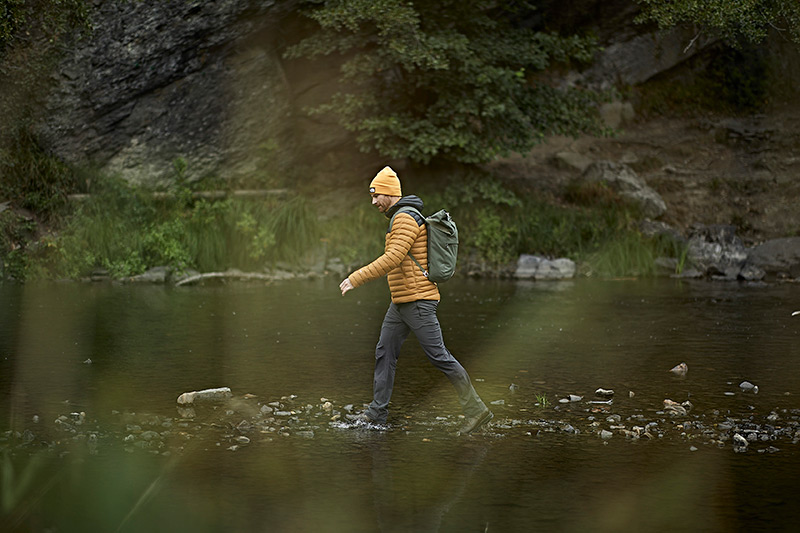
404 232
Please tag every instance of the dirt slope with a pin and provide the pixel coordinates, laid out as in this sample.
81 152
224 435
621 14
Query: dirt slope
741 171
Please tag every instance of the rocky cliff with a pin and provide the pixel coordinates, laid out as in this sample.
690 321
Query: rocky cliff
157 81
160 80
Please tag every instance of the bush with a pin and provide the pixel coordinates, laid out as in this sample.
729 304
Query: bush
455 80
126 230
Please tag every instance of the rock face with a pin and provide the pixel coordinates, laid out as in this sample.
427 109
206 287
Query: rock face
622 179
163 81
161 89
639 57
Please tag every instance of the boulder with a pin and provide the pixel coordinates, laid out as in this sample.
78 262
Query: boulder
624 181
777 256
541 268
158 274
716 251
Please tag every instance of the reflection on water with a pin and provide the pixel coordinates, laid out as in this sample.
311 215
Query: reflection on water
92 439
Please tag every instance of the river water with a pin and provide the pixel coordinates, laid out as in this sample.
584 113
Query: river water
92 438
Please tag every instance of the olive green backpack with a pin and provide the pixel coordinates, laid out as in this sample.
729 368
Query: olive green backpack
442 244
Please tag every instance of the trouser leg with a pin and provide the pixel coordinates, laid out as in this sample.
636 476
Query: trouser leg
393 332
421 317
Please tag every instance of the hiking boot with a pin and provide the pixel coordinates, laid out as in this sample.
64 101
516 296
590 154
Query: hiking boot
362 418
474 422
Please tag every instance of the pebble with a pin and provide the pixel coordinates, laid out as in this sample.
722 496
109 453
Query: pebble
746 386
718 427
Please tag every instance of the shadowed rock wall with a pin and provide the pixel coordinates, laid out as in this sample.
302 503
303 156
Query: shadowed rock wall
160 80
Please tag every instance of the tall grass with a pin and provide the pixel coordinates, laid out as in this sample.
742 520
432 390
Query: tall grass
126 230
594 226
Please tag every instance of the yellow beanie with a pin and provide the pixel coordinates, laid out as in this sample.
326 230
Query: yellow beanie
386 182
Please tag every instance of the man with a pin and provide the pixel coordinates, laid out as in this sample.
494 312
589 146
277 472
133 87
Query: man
413 306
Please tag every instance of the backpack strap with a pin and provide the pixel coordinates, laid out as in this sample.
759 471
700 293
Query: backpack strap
418 216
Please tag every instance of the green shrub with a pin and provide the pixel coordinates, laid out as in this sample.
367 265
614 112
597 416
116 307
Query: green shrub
127 230
453 80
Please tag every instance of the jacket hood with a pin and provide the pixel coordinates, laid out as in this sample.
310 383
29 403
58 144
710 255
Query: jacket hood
406 201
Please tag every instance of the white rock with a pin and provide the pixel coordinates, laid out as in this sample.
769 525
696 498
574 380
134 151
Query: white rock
219 394
738 440
680 370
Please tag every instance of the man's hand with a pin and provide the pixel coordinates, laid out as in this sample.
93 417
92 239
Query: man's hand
346 286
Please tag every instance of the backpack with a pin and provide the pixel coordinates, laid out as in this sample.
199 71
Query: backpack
442 245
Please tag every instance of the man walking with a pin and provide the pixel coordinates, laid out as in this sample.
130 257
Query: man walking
413 307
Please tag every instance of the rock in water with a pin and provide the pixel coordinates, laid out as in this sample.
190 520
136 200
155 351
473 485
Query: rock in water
680 370
212 395
746 386
674 408
605 393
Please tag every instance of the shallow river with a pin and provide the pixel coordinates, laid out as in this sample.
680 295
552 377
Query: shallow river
92 439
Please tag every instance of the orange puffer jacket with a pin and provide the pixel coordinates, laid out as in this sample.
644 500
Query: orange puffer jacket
407 283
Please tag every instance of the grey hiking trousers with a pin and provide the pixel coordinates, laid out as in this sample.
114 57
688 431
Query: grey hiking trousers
419 317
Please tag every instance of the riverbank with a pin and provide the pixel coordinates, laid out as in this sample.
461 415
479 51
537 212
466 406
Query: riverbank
725 184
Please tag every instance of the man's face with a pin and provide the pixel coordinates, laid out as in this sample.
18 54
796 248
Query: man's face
382 202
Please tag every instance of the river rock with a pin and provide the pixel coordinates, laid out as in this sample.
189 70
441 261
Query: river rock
624 181
674 408
746 386
717 252
680 370
777 256
158 274
541 268
210 395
